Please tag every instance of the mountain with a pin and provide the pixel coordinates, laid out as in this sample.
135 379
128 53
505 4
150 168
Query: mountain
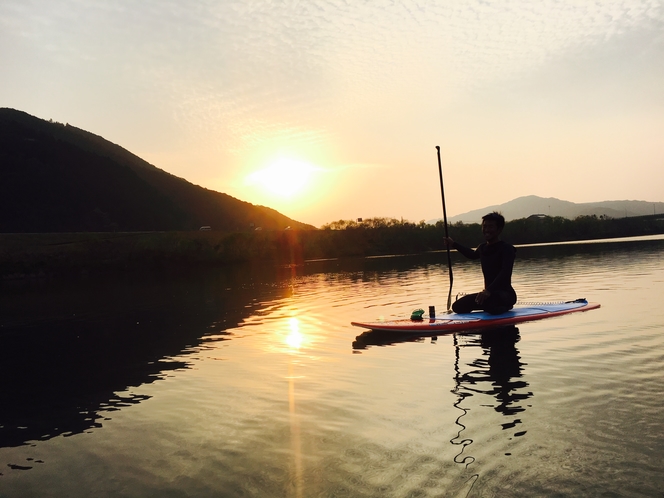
59 178
522 207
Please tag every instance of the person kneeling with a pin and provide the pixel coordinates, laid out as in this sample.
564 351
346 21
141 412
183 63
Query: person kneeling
497 260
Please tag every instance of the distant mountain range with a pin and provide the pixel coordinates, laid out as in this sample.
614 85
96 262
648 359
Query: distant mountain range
522 207
59 178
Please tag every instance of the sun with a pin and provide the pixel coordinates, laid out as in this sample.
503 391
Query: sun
284 177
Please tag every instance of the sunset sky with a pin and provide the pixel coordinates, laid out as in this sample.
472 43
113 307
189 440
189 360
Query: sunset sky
331 109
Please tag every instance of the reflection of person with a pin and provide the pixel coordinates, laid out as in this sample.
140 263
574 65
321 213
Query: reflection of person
497 259
505 370
500 375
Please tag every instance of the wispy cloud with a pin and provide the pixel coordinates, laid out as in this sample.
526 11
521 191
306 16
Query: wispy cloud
324 55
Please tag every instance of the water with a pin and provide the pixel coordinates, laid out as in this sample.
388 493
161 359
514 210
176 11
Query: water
251 382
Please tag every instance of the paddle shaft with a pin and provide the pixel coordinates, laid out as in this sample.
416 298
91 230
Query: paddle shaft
449 258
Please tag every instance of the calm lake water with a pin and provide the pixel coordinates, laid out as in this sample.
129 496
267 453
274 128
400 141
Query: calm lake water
251 382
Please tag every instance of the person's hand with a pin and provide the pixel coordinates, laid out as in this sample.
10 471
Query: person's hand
448 241
482 296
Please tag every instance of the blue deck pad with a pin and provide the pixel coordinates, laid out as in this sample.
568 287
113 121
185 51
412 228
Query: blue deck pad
519 311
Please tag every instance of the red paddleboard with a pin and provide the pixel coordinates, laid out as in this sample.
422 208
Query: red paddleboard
479 320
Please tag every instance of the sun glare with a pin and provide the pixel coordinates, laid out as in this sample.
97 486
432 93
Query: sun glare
284 177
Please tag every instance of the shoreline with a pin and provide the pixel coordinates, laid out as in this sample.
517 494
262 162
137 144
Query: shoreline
47 255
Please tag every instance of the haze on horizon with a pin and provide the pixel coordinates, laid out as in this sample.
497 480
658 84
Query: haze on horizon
328 109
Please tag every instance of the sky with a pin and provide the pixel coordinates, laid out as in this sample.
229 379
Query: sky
331 109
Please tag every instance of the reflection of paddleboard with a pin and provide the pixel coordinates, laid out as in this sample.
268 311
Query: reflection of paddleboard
479 320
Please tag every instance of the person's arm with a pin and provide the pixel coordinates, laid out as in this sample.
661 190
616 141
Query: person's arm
466 251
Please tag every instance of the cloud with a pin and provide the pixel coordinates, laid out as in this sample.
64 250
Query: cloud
322 56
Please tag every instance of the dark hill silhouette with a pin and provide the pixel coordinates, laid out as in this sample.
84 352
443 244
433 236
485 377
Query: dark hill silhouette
59 178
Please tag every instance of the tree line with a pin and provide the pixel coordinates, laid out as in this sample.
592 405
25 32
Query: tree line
389 235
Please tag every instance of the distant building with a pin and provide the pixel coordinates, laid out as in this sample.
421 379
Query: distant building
537 216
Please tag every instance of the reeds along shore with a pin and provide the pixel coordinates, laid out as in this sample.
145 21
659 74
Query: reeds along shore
39 255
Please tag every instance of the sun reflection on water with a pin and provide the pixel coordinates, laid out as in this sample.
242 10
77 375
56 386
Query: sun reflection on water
294 341
295 338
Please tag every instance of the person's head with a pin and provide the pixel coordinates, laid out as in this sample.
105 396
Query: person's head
492 225
497 218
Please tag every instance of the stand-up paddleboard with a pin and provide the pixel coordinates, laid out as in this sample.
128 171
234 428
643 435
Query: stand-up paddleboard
479 319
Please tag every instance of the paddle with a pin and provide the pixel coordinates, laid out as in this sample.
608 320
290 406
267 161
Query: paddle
449 258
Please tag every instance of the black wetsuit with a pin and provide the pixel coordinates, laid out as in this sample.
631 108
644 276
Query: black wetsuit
497 262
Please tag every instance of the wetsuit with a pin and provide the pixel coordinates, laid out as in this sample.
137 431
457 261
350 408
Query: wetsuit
497 262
